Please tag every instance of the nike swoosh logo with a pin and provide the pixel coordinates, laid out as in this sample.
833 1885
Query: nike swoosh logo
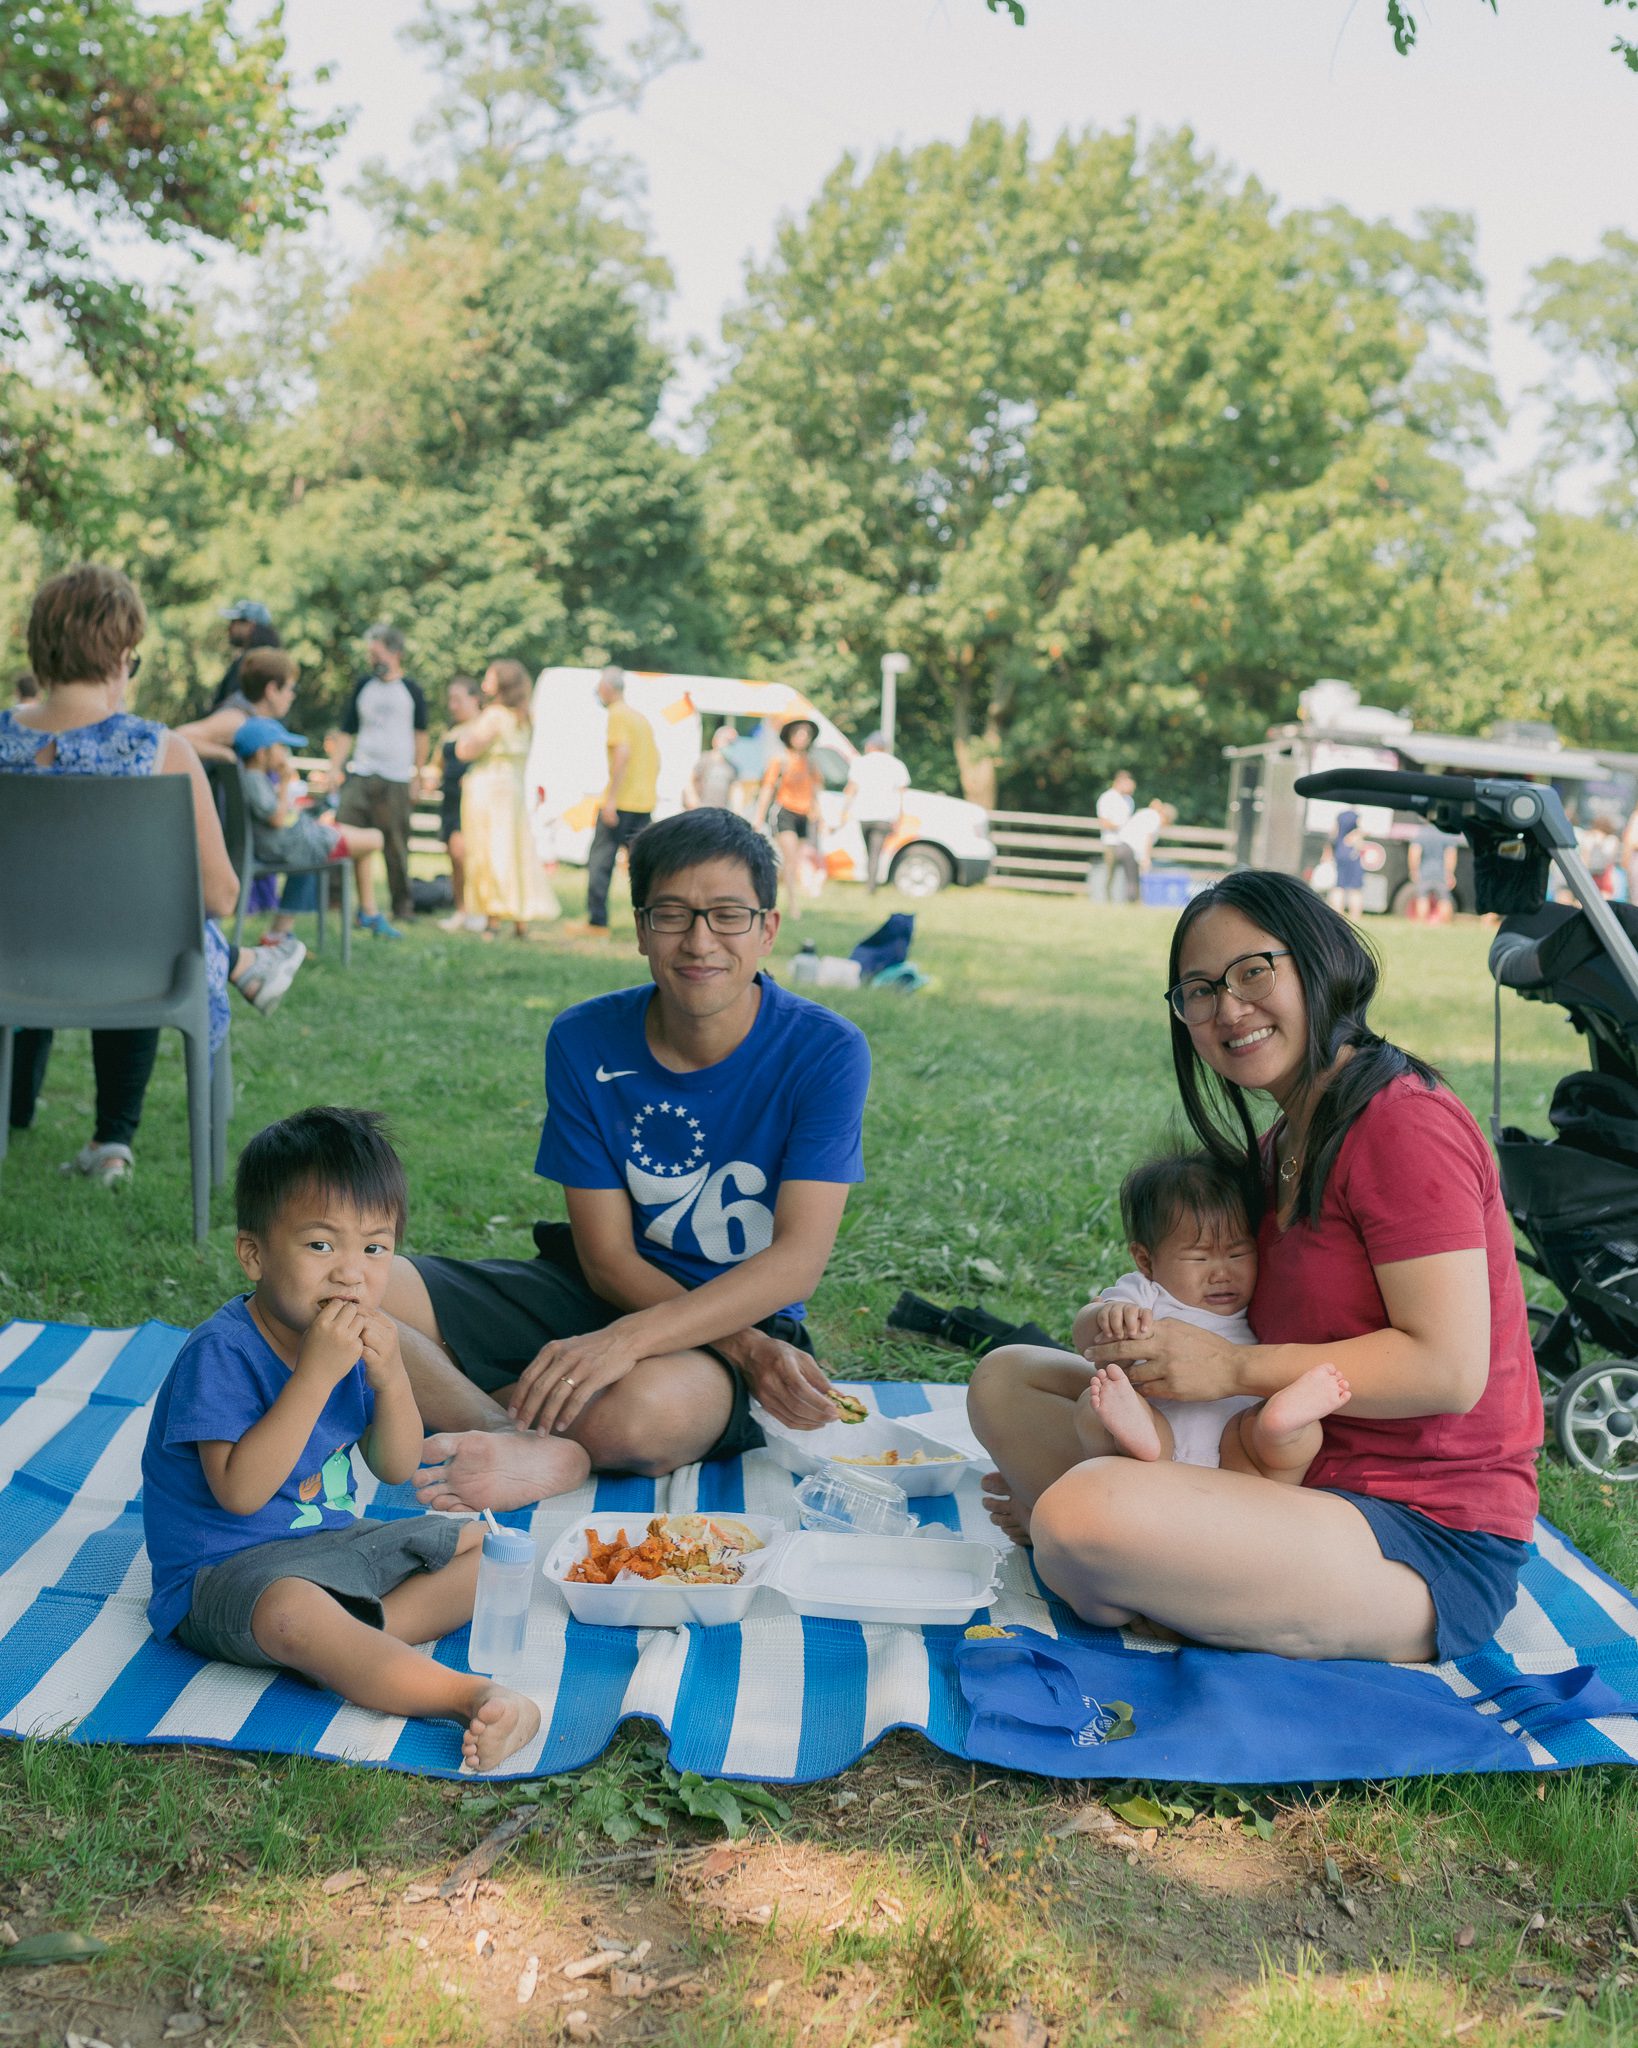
619 1073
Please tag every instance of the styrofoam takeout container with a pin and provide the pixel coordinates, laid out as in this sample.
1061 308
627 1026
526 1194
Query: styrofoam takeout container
643 1604
838 1578
813 1450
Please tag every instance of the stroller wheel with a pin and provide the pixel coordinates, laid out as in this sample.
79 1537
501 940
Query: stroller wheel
1597 1419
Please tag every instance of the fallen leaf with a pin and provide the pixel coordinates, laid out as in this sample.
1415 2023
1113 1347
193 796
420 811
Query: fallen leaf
56 1945
611 1948
418 1894
482 1942
179 2025
577 2025
528 1978
757 1916
349 1980
632 1984
8 1933
890 1907
766 1998
719 1862
587 1966
1019 2028
341 1881
638 1953
1468 1936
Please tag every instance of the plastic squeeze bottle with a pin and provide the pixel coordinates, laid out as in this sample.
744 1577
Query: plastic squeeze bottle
500 1615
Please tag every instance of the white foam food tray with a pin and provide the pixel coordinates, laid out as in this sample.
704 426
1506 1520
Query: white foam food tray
643 1604
901 1579
813 1450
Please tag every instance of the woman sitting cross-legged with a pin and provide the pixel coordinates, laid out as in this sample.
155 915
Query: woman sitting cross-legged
1384 1250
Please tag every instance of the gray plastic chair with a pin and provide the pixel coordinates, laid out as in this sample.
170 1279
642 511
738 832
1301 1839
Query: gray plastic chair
227 779
102 928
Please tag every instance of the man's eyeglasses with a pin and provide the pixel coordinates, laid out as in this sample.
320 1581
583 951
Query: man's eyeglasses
1250 978
728 920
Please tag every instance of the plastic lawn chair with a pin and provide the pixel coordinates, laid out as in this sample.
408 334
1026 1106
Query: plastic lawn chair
102 928
228 781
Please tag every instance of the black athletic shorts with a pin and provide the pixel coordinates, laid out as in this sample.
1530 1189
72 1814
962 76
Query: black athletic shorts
798 823
495 1314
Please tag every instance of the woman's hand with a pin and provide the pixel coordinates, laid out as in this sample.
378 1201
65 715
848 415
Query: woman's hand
551 1393
1175 1362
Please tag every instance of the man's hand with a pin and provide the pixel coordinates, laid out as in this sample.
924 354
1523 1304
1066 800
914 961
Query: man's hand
610 813
1114 1322
554 1389
333 1343
383 1362
789 1384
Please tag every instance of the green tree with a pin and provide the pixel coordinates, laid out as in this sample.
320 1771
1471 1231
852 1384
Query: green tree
1120 458
119 125
1561 639
1586 316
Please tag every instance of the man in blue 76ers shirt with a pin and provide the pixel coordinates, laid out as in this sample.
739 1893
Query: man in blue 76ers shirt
705 1130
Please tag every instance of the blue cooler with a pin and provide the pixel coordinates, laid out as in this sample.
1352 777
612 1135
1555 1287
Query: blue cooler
1167 888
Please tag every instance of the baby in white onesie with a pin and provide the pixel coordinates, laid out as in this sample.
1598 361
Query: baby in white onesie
1196 1258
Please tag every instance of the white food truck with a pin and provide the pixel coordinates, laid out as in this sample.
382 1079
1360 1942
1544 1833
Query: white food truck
940 840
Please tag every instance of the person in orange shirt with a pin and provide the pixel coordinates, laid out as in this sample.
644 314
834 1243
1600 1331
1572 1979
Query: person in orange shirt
790 792
628 797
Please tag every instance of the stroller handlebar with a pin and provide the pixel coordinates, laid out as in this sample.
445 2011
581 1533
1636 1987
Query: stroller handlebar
1515 960
1398 783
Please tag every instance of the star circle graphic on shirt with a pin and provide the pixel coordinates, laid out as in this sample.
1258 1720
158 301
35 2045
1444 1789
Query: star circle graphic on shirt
667 1140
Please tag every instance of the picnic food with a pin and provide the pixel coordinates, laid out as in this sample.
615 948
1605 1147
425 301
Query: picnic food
902 1458
694 1550
849 1407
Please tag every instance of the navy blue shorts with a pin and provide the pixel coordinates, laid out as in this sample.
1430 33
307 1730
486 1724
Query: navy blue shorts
1473 1577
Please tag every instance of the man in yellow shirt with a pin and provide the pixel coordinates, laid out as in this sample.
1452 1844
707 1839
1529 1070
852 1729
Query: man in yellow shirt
628 797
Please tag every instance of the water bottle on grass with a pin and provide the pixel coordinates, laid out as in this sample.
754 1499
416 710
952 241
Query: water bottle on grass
500 1615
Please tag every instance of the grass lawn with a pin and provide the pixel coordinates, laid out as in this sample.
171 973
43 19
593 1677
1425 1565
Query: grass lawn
911 1902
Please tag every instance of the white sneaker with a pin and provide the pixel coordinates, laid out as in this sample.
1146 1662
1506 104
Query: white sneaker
455 922
475 922
107 1165
265 981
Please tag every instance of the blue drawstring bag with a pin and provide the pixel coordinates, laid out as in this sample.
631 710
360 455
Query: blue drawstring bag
887 946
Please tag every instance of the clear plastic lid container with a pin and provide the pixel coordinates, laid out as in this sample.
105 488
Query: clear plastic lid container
853 1504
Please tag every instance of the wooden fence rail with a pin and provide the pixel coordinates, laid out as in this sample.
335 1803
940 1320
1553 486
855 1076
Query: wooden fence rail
1038 850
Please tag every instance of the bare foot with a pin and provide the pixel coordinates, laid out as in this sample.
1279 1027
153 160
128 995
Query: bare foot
1124 1413
1285 1415
496 1468
502 1722
1003 1510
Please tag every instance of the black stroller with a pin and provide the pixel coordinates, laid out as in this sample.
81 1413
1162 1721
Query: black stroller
1574 1197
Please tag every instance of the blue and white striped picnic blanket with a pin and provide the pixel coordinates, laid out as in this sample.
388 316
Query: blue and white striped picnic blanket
777 1697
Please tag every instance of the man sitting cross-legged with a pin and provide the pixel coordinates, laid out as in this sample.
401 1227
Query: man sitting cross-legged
705 1131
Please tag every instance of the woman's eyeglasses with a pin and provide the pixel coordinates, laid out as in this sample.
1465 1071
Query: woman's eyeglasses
729 920
1250 979
133 662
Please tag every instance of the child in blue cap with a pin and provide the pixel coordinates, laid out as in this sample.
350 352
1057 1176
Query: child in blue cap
281 835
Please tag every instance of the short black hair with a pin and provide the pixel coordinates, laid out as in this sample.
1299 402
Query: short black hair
342 1152
1157 1194
690 839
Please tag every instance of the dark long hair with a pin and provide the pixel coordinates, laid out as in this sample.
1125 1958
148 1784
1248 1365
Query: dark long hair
1338 970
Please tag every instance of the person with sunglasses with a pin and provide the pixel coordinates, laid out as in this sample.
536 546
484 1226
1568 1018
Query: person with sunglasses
1384 1249
705 1128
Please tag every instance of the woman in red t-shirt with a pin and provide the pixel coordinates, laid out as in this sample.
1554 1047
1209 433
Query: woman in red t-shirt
1384 1248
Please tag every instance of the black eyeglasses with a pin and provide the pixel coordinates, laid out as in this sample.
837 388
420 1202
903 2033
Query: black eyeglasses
132 663
729 920
1251 978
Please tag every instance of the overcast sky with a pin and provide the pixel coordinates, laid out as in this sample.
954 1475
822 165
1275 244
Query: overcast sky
1525 120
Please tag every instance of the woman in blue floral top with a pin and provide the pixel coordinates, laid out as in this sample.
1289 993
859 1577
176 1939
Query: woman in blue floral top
82 639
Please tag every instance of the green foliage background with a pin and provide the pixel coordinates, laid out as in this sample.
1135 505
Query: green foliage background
1119 451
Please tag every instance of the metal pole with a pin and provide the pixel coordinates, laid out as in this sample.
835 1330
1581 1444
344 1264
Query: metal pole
893 666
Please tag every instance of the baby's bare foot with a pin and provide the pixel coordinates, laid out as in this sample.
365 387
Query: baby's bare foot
496 1468
1308 1400
1003 1510
1124 1414
502 1722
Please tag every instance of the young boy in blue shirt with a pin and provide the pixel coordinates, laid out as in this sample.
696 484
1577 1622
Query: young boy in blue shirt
259 1553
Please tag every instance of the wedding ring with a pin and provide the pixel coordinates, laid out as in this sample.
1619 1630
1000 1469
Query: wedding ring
565 1381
